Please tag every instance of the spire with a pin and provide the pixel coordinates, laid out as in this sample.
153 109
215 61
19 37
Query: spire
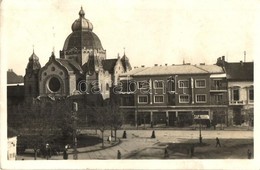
33 48
81 12
124 51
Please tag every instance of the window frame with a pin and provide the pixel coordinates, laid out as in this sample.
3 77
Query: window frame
142 96
179 83
144 81
233 94
196 85
158 96
181 95
155 83
250 100
197 95
216 97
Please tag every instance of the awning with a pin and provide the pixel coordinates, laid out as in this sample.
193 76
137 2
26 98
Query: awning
223 75
201 116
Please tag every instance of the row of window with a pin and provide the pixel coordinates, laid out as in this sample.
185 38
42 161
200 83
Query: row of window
159 84
200 98
184 98
235 94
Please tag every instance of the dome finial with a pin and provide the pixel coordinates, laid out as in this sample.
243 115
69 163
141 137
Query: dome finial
81 12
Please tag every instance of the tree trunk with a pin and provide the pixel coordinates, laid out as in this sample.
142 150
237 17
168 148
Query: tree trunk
115 135
102 132
111 132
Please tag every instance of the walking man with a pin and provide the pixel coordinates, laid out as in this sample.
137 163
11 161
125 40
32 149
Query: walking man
217 142
118 154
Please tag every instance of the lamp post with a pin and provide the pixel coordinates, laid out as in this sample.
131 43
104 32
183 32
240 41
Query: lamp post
200 137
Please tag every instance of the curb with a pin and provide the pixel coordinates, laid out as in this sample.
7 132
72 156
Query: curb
94 150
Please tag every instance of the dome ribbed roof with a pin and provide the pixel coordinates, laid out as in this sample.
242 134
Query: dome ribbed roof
82 35
34 63
82 23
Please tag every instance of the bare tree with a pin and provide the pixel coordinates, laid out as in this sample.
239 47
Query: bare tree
116 118
101 120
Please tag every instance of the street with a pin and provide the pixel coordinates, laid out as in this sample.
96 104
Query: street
141 140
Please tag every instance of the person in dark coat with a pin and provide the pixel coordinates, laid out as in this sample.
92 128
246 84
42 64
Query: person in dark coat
124 135
166 154
118 154
153 134
217 142
249 154
65 154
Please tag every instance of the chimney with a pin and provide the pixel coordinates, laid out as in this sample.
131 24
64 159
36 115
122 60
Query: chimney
155 65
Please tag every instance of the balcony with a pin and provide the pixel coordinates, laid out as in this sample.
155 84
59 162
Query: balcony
237 102
218 89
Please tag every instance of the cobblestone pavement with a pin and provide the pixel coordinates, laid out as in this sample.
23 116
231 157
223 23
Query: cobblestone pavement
141 139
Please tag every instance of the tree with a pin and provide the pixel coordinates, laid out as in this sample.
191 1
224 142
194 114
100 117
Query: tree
101 119
116 118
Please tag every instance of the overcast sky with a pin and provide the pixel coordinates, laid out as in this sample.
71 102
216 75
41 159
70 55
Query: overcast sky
151 31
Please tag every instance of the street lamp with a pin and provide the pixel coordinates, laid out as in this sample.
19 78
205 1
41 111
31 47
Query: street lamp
200 137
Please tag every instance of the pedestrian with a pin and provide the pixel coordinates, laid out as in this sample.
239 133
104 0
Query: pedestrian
153 134
166 154
217 142
249 154
65 154
124 135
118 154
192 150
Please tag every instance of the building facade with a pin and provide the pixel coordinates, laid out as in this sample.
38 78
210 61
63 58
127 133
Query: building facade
177 95
240 79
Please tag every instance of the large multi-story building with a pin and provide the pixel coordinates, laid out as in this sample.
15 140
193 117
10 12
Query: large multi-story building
175 95
240 79
82 67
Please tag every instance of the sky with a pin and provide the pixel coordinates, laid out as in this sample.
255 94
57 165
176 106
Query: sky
151 31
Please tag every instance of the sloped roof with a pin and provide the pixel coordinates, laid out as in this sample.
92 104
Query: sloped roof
175 69
211 68
69 64
109 64
13 78
134 71
239 71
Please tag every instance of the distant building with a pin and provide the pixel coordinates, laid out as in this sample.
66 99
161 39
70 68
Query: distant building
240 78
15 90
177 95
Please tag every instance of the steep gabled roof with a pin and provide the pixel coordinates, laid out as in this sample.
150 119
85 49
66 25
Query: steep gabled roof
70 64
240 71
13 78
109 65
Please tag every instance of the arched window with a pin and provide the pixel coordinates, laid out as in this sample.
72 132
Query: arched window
107 87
